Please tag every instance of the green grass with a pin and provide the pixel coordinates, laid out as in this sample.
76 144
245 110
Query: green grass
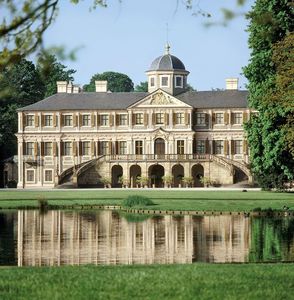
197 281
164 200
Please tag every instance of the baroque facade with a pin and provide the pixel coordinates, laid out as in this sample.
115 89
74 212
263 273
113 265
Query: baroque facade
166 134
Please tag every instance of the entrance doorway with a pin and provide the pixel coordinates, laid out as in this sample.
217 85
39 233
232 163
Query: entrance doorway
178 174
156 172
159 148
135 172
197 173
116 173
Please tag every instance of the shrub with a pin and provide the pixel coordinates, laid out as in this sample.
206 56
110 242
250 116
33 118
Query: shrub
43 204
135 200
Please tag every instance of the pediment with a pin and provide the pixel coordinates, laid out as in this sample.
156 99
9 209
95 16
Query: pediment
159 98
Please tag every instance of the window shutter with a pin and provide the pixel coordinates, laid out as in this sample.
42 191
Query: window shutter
110 120
98 120
42 120
213 118
80 148
245 147
24 152
232 147
116 120
226 118
74 120
36 120
145 119
232 118
42 148
206 119
24 120
225 147
213 147
92 148
153 118
186 118
110 147
98 148
245 117
54 120
166 119
92 119
61 148
35 149
116 147
61 120
54 144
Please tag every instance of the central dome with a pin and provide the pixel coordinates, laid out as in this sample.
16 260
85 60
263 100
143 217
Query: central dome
166 62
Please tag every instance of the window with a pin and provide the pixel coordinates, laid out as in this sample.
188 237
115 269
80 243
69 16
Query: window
200 119
219 118
238 146
30 148
48 120
104 120
179 82
67 148
30 175
164 81
219 147
85 148
67 120
237 118
86 120
200 146
139 147
30 120
152 81
180 118
139 119
122 120
48 176
180 147
159 118
104 148
47 148
122 147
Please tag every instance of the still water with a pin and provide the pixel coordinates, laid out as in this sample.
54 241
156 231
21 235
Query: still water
32 238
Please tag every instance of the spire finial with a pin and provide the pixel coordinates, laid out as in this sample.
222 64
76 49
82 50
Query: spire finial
167 46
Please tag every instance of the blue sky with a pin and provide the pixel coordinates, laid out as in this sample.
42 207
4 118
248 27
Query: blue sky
128 35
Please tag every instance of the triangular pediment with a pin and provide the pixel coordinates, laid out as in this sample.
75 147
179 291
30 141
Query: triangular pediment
159 98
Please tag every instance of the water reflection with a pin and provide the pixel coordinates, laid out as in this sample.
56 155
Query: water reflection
105 237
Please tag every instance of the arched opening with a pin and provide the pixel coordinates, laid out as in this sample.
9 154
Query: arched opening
239 176
135 172
197 173
159 147
178 174
116 173
156 172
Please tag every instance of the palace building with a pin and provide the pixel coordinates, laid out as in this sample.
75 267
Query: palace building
166 136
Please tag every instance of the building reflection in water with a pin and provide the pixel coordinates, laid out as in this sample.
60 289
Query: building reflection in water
74 238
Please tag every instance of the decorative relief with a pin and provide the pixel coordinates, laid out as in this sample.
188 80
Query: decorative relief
160 99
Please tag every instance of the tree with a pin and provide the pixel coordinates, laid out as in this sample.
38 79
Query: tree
271 162
116 82
142 87
51 71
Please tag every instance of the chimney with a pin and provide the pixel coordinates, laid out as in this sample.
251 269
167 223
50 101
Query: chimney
101 86
69 87
76 89
232 83
61 86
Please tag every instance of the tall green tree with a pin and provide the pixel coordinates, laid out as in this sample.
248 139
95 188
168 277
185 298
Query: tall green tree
116 82
142 87
51 71
271 162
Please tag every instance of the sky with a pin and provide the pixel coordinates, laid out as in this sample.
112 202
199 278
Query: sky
129 34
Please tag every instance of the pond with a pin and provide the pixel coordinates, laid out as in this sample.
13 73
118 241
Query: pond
33 238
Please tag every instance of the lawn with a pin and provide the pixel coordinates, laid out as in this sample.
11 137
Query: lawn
163 199
197 281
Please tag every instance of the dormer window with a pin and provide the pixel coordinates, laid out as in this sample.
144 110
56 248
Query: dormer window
152 81
164 81
179 81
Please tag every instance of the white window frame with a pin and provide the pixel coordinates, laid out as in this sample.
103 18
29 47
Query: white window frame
240 145
83 148
48 181
182 118
223 118
48 115
71 148
119 119
168 81
198 117
33 120
107 121
150 80
135 142
125 149
182 81
82 123
34 176
65 115
234 118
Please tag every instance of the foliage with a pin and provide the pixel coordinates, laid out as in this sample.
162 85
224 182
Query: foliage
136 200
135 218
106 181
51 71
168 179
190 88
271 159
123 181
205 181
142 180
142 87
187 180
116 82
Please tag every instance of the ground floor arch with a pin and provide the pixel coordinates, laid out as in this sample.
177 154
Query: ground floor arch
116 173
178 174
135 172
239 175
197 172
155 173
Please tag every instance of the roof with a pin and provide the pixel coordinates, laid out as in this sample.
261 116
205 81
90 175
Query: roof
110 101
215 99
167 62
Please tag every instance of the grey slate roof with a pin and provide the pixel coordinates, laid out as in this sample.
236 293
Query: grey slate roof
167 62
111 101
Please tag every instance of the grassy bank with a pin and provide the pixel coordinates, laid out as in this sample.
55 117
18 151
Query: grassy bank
163 199
198 281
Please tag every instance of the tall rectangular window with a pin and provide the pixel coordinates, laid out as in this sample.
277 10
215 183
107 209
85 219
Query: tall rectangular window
139 147
30 120
85 148
152 81
104 147
200 146
180 147
179 82
139 119
238 146
123 120
86 119
180 118
68 120
47 148
67 148
30 175
164 81
219 147
29 148
122 147
48 176
48 120
237 118
200 119
159 118
104 120
219 118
